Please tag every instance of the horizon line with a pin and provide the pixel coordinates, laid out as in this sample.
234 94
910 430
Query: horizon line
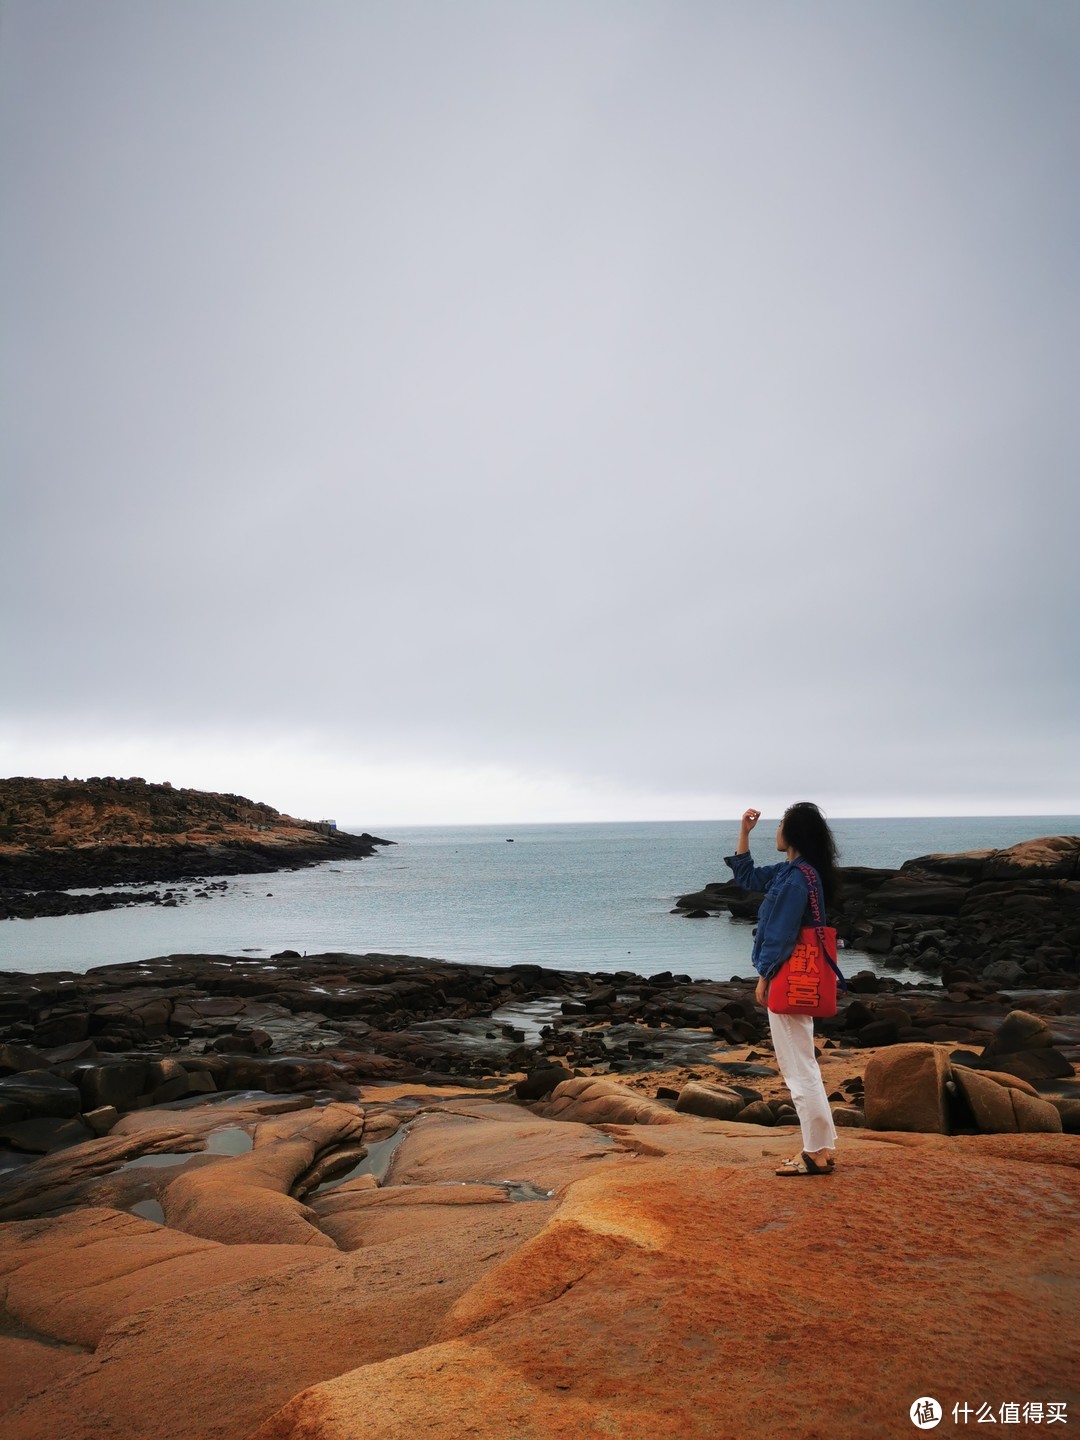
715 820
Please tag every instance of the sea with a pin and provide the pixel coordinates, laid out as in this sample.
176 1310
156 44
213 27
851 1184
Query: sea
592 897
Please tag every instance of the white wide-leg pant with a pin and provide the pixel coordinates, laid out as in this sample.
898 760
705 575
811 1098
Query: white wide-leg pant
793 1042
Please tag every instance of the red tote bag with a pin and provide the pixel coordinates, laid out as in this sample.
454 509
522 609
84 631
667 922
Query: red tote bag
806 982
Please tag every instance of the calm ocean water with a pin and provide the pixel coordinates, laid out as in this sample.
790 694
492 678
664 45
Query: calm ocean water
589 897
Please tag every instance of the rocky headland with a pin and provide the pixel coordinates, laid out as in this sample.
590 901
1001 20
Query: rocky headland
62 835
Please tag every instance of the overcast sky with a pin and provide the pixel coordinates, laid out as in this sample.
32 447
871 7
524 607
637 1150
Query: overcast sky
544 409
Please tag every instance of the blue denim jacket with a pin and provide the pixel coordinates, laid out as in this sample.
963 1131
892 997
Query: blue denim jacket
784 910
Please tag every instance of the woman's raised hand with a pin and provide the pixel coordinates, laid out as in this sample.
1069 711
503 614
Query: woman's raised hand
750 819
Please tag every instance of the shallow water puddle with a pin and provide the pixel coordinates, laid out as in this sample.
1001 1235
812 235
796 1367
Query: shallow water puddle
529 1016
230 1140
149 1210
516 1189
376 1162
526 1190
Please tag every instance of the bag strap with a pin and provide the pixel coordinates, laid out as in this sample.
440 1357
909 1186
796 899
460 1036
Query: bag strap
819 921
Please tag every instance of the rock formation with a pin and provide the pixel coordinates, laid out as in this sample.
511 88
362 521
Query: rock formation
58 834
1011 917
490 1268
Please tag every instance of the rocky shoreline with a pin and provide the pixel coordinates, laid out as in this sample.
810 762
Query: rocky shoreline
79 1049
309 1198
62 835
1010 917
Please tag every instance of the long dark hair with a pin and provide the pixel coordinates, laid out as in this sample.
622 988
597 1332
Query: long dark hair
806 829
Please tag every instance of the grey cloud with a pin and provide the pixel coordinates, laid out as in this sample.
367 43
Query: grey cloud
661 392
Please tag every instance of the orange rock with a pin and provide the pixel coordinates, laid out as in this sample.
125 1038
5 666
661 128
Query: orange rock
246 1198
1035 1114
201 1119
361 1212
1012 1082
28 1367
673 1288
74 1277
514 1146
683 1298
990 1103
211 1364
904 1088
598 1101
1004 1108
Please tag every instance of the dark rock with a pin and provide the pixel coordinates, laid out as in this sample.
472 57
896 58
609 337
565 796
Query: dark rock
965 1057
1020 1030
541 1082
117 1082
917 894
1004 972
44 1134
135 1013
875 936
41 1093
61 1029
248 1040
1031 1065
857 1015
15 1058
879 1032
1069 1110
77 1050
849 1116
744 1067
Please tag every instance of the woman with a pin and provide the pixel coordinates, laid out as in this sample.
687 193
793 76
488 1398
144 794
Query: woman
806 837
